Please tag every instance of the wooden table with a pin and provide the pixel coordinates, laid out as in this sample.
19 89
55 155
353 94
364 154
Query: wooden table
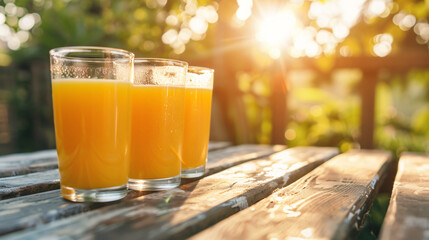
248 192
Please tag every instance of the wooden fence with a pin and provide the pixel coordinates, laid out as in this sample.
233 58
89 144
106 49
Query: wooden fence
227 92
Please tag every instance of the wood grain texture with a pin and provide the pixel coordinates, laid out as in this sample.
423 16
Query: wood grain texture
28 211
408 214
30 183
220 160
327 203
213 146
23 163
181 212
42 181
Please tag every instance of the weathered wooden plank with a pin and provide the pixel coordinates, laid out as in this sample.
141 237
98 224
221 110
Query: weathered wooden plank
24 212
23 163
48 180
221 160
181 212
324 204
213 146
30 183
408 214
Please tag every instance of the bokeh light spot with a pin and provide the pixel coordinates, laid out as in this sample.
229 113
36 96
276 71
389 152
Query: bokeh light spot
140 14
23 36
172 20
13 43
290 134
198 25
382 49
377 7
180 49
341 31
10 9
313 49
2 18
185 34
26 22
322 36
169 37
407 22
243 13
211 14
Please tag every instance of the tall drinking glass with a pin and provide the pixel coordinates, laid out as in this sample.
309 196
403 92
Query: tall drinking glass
157 123
199 87
90 91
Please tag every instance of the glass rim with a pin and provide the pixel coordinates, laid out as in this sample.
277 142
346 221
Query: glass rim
61 51
165 61
200 70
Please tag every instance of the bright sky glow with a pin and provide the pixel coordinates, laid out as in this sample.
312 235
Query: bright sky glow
276 29
244 10
243 13
332 21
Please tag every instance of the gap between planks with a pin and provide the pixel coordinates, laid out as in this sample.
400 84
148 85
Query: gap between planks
408 214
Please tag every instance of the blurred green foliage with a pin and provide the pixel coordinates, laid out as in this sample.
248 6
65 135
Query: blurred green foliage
133 25
256 92
404 107
324 112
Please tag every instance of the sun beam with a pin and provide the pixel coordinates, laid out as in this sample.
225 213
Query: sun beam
275 29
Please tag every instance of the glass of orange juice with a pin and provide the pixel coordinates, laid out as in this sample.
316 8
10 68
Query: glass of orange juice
91 103
199 88
157 123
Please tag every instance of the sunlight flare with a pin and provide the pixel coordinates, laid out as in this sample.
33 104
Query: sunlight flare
276 29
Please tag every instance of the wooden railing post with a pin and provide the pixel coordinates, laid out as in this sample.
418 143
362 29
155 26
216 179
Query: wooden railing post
278 101
367 93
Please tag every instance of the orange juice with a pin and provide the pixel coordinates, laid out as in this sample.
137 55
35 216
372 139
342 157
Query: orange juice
92 132
157 131
197 127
